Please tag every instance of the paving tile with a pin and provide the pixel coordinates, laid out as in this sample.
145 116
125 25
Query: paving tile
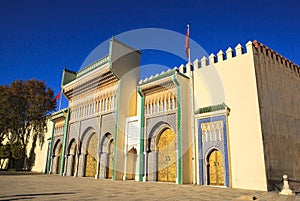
54 187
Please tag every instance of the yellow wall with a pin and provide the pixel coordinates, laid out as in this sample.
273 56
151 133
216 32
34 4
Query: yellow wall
41 150
126 108
232 81
187 140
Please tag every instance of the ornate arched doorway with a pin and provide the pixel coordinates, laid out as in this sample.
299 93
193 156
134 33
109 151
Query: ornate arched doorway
215 168
110 159
91 158
166 156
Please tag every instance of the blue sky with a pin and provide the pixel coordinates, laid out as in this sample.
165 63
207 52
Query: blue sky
39 38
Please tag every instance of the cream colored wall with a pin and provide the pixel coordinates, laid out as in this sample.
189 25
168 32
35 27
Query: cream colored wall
127 107
187 141
279 86
233 81
41 150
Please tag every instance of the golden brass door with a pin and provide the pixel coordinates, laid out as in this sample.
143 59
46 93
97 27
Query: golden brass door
91 160
215 169
167 156
111 160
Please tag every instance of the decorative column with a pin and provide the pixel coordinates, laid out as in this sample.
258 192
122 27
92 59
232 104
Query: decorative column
125 165
70 164
155 168
103 165
81 168
54 166
51 165
177 168
146 166
66 165
98 165
76 167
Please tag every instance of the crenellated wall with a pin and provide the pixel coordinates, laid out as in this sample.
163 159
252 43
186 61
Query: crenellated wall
278 82
230 78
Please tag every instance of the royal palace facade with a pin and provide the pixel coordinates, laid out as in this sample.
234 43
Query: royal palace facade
229 120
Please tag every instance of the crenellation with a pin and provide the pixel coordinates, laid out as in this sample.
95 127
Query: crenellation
204 61
182 68
221 56
277 57
196 64
239 50
229 53
249 46
212 59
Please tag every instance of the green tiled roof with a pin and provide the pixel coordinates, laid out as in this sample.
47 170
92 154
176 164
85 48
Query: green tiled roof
92 66
211 108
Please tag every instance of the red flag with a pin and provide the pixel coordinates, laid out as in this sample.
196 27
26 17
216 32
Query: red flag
58 96
187 42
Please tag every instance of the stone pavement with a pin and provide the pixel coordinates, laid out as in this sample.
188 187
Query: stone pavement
54 187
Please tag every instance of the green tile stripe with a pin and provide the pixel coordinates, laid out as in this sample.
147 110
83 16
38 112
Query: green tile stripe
116 132
62 161
141 134
179 130
51 147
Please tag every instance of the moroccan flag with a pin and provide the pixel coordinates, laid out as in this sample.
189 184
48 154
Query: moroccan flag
58 96
187 42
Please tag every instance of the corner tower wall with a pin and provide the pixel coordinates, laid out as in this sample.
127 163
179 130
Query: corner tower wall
278 82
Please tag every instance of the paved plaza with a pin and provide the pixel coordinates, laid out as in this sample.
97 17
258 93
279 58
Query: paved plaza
54 187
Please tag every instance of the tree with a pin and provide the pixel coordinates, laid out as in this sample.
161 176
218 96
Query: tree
4 94
26 105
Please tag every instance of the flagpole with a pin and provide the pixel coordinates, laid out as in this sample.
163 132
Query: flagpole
187 43
192 105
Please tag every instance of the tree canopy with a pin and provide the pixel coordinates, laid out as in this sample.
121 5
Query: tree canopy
24 106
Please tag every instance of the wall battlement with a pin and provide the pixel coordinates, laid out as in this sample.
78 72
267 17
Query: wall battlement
221 56
229 54
276 57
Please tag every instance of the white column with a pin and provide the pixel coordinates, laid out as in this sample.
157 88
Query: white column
98 165
54 167
81 168
125 166
77 164
66 165
70 165
146 166
51 165
177 168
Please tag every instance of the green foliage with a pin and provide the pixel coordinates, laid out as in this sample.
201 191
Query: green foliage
23 109
4 151
16 150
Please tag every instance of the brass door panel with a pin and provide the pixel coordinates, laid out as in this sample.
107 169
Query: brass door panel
91 165
215 169
167 156
91 160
